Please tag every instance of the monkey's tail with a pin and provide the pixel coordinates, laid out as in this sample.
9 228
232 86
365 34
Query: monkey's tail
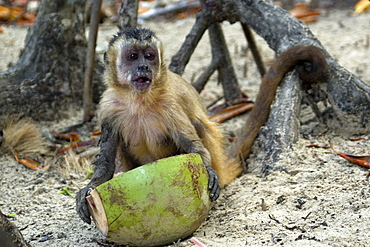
227 170
310 63
231 169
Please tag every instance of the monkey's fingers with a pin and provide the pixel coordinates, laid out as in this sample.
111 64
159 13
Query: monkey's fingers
81 204
213 184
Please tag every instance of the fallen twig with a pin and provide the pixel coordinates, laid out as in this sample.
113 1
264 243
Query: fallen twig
356 159
197 242
171 8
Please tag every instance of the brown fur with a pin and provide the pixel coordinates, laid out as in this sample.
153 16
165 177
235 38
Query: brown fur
145 121
161 122
310 63
169 118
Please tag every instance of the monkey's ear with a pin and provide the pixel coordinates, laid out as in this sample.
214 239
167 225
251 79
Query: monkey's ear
105 58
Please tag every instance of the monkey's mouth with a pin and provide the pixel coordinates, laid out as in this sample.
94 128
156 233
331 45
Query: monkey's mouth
141 84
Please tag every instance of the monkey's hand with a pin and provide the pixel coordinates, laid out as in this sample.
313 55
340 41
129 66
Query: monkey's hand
213 184
81 204
104 170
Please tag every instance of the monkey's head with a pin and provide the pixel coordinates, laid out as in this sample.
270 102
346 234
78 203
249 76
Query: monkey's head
134 60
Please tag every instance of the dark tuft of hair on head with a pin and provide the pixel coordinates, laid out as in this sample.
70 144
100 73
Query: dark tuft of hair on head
140 34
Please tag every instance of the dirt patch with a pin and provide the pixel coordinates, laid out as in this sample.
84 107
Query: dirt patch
315 198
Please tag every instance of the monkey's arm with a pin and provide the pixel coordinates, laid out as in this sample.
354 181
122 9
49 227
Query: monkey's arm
194 145
104 170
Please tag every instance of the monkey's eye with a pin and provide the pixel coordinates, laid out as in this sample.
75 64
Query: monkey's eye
149 56
132 56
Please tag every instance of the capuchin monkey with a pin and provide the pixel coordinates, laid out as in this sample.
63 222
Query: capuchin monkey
148 113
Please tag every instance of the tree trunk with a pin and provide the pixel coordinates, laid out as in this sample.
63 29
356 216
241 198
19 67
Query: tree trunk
10 236
128 14
342 103
48 78
226 73
344 99
282 129
88 106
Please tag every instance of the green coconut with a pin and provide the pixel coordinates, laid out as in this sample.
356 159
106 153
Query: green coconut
155 204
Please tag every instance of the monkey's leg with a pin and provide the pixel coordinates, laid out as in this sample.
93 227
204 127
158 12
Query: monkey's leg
104 170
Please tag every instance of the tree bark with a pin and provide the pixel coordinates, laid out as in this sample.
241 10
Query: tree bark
128 14
48 77
10 236
88 106
226 73
213 11
282 129
182 57
345 99
254 49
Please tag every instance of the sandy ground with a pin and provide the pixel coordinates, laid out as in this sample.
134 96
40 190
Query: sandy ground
319 199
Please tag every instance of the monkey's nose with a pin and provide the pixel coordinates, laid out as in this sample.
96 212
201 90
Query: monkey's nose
143 68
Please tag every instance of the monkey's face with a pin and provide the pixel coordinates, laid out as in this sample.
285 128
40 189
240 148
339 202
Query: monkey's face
138 66
134 60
